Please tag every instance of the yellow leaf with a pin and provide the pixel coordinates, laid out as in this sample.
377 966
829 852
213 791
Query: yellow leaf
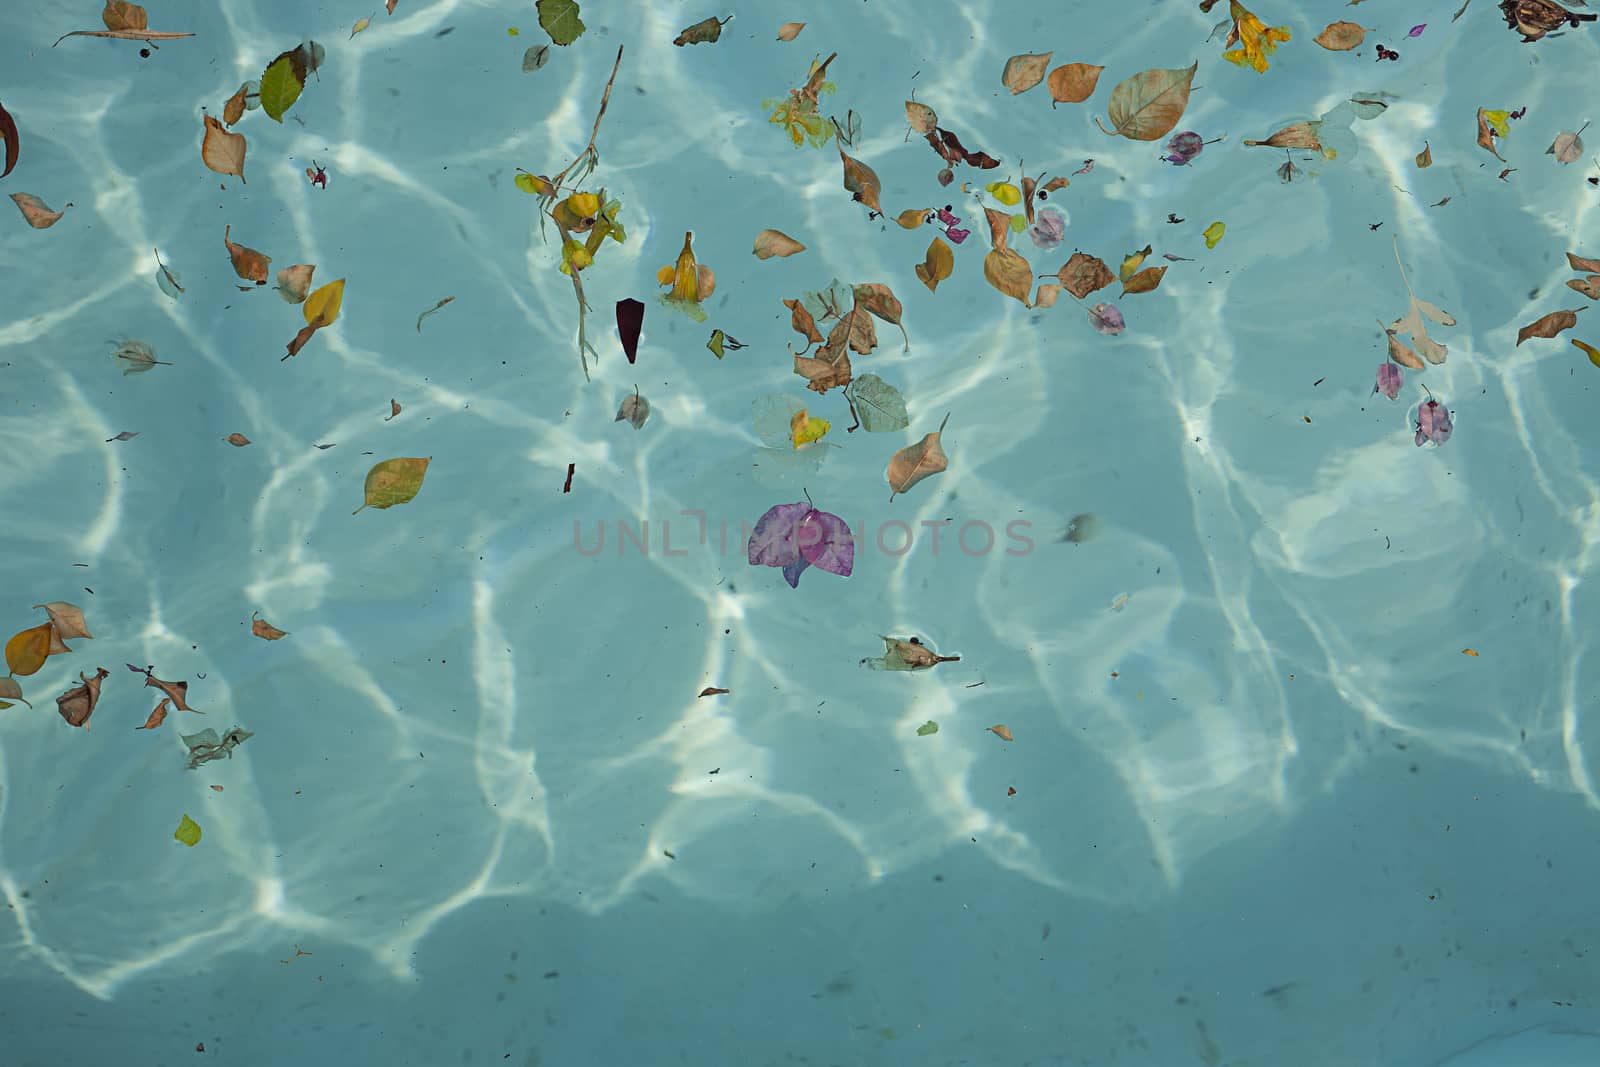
1214 233
1589 350
1005 192
394 481
324 303
1256 39
188 832
27 651
1130 264
360 25
803 429
1499 120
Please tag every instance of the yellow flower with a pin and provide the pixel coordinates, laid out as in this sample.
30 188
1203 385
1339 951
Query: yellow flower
1256 39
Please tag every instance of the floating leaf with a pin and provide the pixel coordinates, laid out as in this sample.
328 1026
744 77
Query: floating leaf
913 463
1148 105
247 262
322 307
1413 325
221 150
360 25
237 440
282 82
1083 274
1024 72
9 688
265 630
67 619
928 729
394 481
1256 40
861 181
125 435
1485 134
1587 349
124 21
1106 319
1001 731
878 404
37 212
803 429
1213 233
706 31
936 265
1009 272
1400 353
1073 83
1425 157
431 310
535 57
1131 263
1567 147
630 321
8 132
720 340
790 30
771 243
157 716
908 655
1549 325
295 281
1341 36
26 651
1390 380
559 18
921 117
1589 287
881 302
206 746
77 703
188 832
634 410
136 357
1144 281
1580 263
1295 135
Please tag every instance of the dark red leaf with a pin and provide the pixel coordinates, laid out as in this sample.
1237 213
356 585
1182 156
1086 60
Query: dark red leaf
630 320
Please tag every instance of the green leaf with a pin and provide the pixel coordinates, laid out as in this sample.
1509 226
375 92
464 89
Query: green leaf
394 481
282 83
560 20
534 58
879 405
188 832
929 727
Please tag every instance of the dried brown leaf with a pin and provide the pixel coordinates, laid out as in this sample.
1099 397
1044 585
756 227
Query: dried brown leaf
37 212
1001 731
1577 262
247 262
1341 36
223 151
1083 274
295 282
1486 137
1425 157
1073 83
1295 135
1400 352
1010 273
1549 325
158 715
913 463
1025 71
937 264
77 703
790 30
771 243
265 630
803 323
237 440
1589 287
233 110
1144 281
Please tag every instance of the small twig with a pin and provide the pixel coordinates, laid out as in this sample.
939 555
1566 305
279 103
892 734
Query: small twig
605 99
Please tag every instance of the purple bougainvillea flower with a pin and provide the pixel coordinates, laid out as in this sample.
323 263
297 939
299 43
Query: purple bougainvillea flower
1049 227
797 536
1107 319
947 218
1433 422
957 236
1184 147
1389 380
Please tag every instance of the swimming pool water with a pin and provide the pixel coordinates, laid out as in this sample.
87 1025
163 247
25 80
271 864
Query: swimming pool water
1298 768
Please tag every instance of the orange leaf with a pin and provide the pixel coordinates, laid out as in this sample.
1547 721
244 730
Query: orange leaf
915 462
1002 732
247 262
157 717
27 651
222 151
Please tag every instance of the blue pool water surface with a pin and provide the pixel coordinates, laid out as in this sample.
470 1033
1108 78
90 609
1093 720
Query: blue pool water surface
1299 769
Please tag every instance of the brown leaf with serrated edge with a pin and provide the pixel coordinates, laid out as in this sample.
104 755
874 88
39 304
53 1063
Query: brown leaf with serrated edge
1486 137
937 264
1577 262
221 150
1025 71
1549 325
1589 287
1083 274
77 703
37 212
157 717
711 691
1002 731
233 110
265 630
177 691
1073 83
1400 353
247 262
8 131
1425 157
913 463
1144 281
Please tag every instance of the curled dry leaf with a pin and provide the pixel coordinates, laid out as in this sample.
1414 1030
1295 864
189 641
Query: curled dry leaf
1589 287
1486 136
634 410
861 181
1341 36
1025 71
233 110
936 265
909 655
790 30
247 262
1549 325
880 300
294 282
706 31
771 243
913 463
8 132
265 630
221 150
1144 281
1587 349
441 304
1001 731
37 212
1295 135
1577 262
158 715
394 410
921 118
1083 274
1073 83
1146 106
1425 157
67 621
1400 353
77 703
711 690
237 440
